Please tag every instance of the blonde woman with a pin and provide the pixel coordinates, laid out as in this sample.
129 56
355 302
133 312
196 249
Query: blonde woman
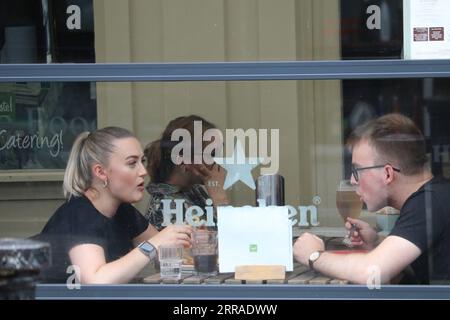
97 232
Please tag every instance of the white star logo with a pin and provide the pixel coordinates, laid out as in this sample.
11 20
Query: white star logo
238 167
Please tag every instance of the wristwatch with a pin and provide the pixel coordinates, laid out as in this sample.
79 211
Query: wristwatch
313 258
148 249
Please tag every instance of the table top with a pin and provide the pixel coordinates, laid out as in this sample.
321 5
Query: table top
300 275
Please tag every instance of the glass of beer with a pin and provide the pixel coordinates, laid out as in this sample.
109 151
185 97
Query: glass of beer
349 205
204 251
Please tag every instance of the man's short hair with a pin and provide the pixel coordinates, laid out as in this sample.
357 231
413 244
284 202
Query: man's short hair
396 140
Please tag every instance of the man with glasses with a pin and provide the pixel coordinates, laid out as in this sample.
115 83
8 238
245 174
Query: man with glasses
389 168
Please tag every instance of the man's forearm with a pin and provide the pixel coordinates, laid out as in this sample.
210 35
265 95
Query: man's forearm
351 267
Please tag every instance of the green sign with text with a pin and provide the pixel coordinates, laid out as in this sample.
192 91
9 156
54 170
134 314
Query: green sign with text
8 105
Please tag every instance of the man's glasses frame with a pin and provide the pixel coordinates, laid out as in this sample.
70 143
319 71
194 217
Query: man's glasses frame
355 169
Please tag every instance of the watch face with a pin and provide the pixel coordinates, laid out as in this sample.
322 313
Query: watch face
314 256
147 247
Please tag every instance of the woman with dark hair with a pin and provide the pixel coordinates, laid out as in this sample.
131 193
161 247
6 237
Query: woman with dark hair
193 182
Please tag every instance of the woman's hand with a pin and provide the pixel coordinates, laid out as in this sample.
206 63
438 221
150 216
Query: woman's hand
173 235
364 236
209 174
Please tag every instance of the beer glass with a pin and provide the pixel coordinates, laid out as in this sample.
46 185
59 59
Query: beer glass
204 251
349 205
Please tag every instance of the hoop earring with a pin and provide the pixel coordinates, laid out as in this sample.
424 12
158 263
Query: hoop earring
105 183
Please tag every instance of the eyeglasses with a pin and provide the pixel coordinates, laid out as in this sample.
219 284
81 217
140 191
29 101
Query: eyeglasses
355 170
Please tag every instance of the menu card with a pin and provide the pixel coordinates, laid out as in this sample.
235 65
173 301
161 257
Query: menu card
426 29
254 236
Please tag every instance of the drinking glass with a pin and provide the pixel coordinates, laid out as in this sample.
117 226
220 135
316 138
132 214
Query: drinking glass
204 251
349 205
170 260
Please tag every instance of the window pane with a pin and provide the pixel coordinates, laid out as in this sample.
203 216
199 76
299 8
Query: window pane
39 122
369 35
426 101
35 31
311 121
199 30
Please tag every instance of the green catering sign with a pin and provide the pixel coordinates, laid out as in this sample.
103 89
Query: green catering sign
8 105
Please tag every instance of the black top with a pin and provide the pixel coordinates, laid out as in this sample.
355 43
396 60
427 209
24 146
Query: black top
425 221
79 222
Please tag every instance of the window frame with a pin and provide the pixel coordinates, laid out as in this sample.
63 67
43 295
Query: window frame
226 71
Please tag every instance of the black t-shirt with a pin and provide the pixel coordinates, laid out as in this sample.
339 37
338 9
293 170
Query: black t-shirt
425 221
79 222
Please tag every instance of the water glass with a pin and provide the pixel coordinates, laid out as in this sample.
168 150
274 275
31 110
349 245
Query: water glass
170 261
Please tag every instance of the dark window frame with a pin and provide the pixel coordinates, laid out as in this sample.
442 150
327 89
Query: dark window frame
226 71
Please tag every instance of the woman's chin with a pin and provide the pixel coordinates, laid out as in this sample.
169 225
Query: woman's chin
135 197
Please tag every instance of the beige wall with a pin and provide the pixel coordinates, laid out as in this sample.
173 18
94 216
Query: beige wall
308 113
25 205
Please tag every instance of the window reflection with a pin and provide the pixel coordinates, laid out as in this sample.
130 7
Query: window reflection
39 122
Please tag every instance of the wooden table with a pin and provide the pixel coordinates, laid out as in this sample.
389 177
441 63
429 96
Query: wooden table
300 275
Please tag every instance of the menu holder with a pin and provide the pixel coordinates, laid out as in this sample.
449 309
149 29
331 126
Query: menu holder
260 272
